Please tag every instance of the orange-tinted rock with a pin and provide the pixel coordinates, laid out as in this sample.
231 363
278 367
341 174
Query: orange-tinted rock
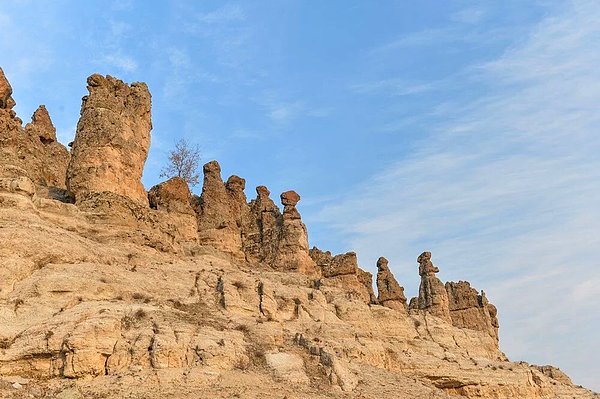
6 101
112 140
172 195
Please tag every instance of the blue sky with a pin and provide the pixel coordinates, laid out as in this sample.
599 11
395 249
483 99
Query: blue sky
466 128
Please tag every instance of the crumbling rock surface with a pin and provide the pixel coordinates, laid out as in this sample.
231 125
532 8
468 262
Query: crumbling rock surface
32 151
391 294
468 309
218 213
112 140
6 100
342 271
172 196
432 294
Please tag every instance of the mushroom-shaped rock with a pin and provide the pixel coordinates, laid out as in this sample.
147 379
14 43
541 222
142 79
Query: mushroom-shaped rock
292 252
390 293
432 294
112 140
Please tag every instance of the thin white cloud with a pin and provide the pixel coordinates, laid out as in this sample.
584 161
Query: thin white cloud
226 13
505 195
123 62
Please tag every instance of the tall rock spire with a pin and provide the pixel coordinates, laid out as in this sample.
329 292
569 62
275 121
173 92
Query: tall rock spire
432 294
112 140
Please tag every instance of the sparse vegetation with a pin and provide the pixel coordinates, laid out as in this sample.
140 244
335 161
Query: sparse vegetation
183 163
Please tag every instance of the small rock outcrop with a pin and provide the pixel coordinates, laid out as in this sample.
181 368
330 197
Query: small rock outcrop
112 140
343 271
471 310
32 151
390 293
6 100
171 196
432 294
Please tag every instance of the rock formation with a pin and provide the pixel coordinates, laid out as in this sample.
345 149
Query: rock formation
471 310
218 213
292 251
112 140
432 294
32 152
342 271
261 234
173 196
6 100
115 295
390 293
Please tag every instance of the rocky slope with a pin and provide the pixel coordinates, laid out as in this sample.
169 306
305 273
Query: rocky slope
107 291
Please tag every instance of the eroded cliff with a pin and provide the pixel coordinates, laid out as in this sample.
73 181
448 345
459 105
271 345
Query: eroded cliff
109 291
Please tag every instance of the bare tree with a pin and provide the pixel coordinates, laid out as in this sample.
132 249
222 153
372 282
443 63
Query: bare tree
183 162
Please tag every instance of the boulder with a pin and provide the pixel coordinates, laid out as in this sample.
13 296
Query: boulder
112 140
172 195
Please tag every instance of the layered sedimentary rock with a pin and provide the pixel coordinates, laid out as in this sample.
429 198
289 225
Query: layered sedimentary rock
432 294
343 271
390 293
471 310
261 234
112 140
34 151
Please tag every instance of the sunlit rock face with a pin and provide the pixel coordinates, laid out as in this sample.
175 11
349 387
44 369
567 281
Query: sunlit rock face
112 140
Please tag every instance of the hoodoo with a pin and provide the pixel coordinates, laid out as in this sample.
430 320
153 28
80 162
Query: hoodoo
127 293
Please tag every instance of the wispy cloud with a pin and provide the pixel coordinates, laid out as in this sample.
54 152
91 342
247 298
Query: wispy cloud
123 62
226 13
505 194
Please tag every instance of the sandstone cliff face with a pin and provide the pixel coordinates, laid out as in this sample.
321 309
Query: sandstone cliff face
432 294
32 152
112 140
113 296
